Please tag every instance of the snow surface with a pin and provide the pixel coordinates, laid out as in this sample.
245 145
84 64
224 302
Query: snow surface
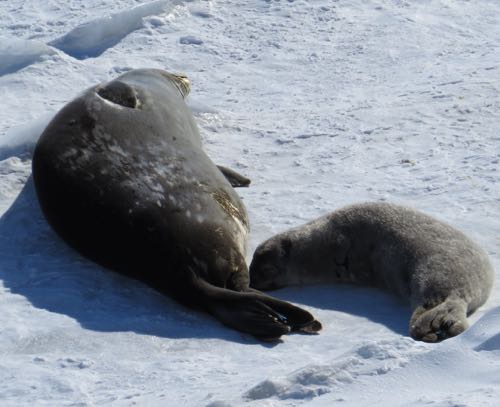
16 53
321 103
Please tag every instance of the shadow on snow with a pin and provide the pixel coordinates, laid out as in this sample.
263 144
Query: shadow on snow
368 302
37 264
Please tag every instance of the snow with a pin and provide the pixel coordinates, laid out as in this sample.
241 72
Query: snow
321 103
16 53
92 38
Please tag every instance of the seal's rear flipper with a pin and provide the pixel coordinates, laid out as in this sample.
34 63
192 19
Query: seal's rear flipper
436 322
236 180
251 311
297 318
251 316
262 316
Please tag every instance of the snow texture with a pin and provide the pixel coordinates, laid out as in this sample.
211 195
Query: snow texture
92 38
321 103
16 53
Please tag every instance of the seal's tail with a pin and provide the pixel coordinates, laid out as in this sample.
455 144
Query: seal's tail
258 314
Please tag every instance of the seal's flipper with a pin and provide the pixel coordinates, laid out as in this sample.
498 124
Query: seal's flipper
236 180
249 315
252 312
297 318
444 320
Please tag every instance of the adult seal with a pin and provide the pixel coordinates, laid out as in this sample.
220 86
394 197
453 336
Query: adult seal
121 176
443 273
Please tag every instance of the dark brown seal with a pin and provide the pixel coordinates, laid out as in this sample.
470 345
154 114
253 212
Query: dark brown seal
121 175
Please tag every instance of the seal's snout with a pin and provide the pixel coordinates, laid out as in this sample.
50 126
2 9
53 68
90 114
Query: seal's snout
183 83
264 270
180 80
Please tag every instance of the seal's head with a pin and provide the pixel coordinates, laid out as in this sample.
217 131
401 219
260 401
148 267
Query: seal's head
270 269
123 90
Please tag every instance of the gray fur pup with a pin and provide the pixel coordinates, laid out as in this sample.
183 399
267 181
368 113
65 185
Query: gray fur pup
441 271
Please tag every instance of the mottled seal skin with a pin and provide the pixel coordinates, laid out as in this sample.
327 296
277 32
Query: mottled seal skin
443 273
121 176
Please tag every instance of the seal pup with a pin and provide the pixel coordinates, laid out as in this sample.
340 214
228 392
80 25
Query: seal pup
121 176
443 273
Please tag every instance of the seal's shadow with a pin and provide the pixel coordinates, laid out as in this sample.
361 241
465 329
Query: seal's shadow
37 264
371 303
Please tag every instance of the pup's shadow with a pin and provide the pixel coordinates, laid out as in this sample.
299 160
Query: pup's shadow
368 302
37 264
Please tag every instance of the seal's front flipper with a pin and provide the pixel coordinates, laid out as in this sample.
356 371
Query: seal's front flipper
236 180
